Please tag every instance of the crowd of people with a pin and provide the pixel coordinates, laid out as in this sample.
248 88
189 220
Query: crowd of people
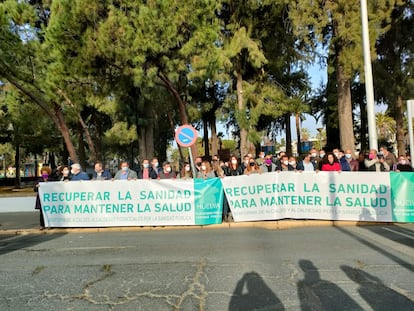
314 160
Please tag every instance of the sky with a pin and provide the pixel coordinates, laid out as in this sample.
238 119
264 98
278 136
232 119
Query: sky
317 76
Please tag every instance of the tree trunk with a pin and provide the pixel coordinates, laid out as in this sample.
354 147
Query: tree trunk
244 149
299 143
18 184
81 147
181 105
399 120
142 150
331 107
98 138
64 130
205 139
88 137
364 127
149 141
55 113
173 131
214 138
346 129
288 135
146 137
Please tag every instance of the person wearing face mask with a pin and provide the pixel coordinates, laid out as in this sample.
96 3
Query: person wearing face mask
167 171
320 158
375 163
147 171
278 161
245 162
156 166
306 164
284 164
77 173
206 171
125 173
403 165
314 159
63 173
268 165
330 163
252 168
234 168
45 177
353 163
100 173
198 161
261 158
186 172
217 169
342 160
293 162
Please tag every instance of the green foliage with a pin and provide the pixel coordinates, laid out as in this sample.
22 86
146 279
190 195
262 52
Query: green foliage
123 66
121 134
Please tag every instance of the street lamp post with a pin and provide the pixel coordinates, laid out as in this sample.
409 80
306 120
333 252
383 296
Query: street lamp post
320 129
410 112
3 158
369 88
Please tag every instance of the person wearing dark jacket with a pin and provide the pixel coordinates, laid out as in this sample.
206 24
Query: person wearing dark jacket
403 165
77 173
45 177
147 171
234 168
284 164
100 173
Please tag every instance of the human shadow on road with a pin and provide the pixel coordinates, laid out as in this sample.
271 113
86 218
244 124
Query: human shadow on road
317 294
376 293
252 293
13 243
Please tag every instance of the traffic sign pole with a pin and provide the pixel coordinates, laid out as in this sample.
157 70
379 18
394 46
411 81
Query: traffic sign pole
410 111
186 136
193 169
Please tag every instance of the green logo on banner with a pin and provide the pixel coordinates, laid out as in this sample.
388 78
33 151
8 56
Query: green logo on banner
208 199
402 196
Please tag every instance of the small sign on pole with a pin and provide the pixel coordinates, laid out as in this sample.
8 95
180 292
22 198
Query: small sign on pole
186 136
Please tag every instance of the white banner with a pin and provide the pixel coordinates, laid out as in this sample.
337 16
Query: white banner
131 203
363 196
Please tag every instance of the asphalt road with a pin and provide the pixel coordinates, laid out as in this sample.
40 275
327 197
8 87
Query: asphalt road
330 268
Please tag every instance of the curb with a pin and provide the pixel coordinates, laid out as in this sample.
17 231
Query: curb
268 225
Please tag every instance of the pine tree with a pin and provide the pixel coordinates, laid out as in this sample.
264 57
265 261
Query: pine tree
337 24
394 66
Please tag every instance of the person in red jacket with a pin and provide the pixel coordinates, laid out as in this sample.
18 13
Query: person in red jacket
330 163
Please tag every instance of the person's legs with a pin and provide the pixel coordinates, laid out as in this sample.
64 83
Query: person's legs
42 220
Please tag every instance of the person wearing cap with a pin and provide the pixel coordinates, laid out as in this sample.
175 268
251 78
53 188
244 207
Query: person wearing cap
77 173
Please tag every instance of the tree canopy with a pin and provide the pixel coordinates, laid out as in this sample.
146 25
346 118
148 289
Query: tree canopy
112 78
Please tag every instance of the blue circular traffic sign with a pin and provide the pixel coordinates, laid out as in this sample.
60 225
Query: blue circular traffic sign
186 135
